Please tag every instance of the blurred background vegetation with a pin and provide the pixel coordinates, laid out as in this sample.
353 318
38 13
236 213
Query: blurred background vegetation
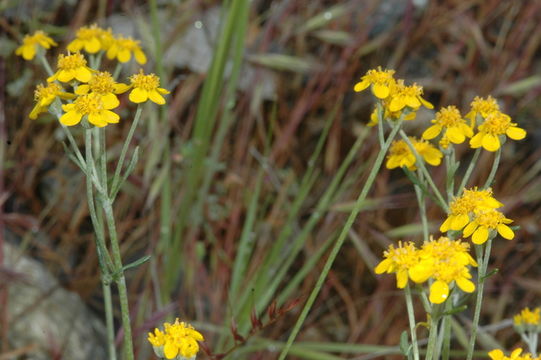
247 175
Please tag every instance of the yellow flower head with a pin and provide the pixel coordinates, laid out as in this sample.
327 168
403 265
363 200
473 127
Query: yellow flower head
178 341
462 208
498 354
146 87
71 67
399 260
91 105
45 95
528 320
482 107
31 44
90 38
402 96
380 80
102 83
486 220
495 125
122 49
455 128
445 261
400 154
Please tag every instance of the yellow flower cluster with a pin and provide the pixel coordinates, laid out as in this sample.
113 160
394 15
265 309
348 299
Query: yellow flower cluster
178 341
449 121
475 214
528 320
400 154
498 354
444 262
94 92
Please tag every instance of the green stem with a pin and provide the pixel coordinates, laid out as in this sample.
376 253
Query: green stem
336 248
450 165
420 163
422 210
118 170
45 64
495 165
109 320
482 260
381 113
432 338
118 68
469 171
411 318
446 328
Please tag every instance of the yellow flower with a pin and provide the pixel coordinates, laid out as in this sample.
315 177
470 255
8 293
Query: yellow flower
486 220
91 105
31 44
122 49
482 107
402 96
445 261
146 87
496 124
389 115
498 354
45 95
102 83
400 155
71 67
528 317
399 260
379 80
92 39
450 121
463 207
178 341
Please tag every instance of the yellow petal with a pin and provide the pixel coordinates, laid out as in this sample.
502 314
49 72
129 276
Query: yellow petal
75 45
83 74
505 231
110 101
432 132
426 103
397 104
92 46
111 52
36 111
381 91
82 89
476 141
124 55
110 117
412 102
465 285
421 272
65 75
383 266
71 118
439 291
121 88
455 135
516 133
432 156
459 221
140 57
138 95
96 119
445 226
156 97
163 91
480 236
491 142
170 350
496 354
360 86
29 52
468 230
392 162
401 278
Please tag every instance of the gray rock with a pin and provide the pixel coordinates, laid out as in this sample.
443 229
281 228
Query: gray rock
44 314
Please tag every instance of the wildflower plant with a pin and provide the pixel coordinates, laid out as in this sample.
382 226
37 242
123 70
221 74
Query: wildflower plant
81 93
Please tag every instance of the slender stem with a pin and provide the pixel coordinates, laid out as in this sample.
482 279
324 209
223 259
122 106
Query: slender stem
420 163
469 171
109 320
45 64
482 260
118 68
432 338
118 170
381 136
345 230
446 329
495 165
411 318
450 180
422 210
74 146
535 339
